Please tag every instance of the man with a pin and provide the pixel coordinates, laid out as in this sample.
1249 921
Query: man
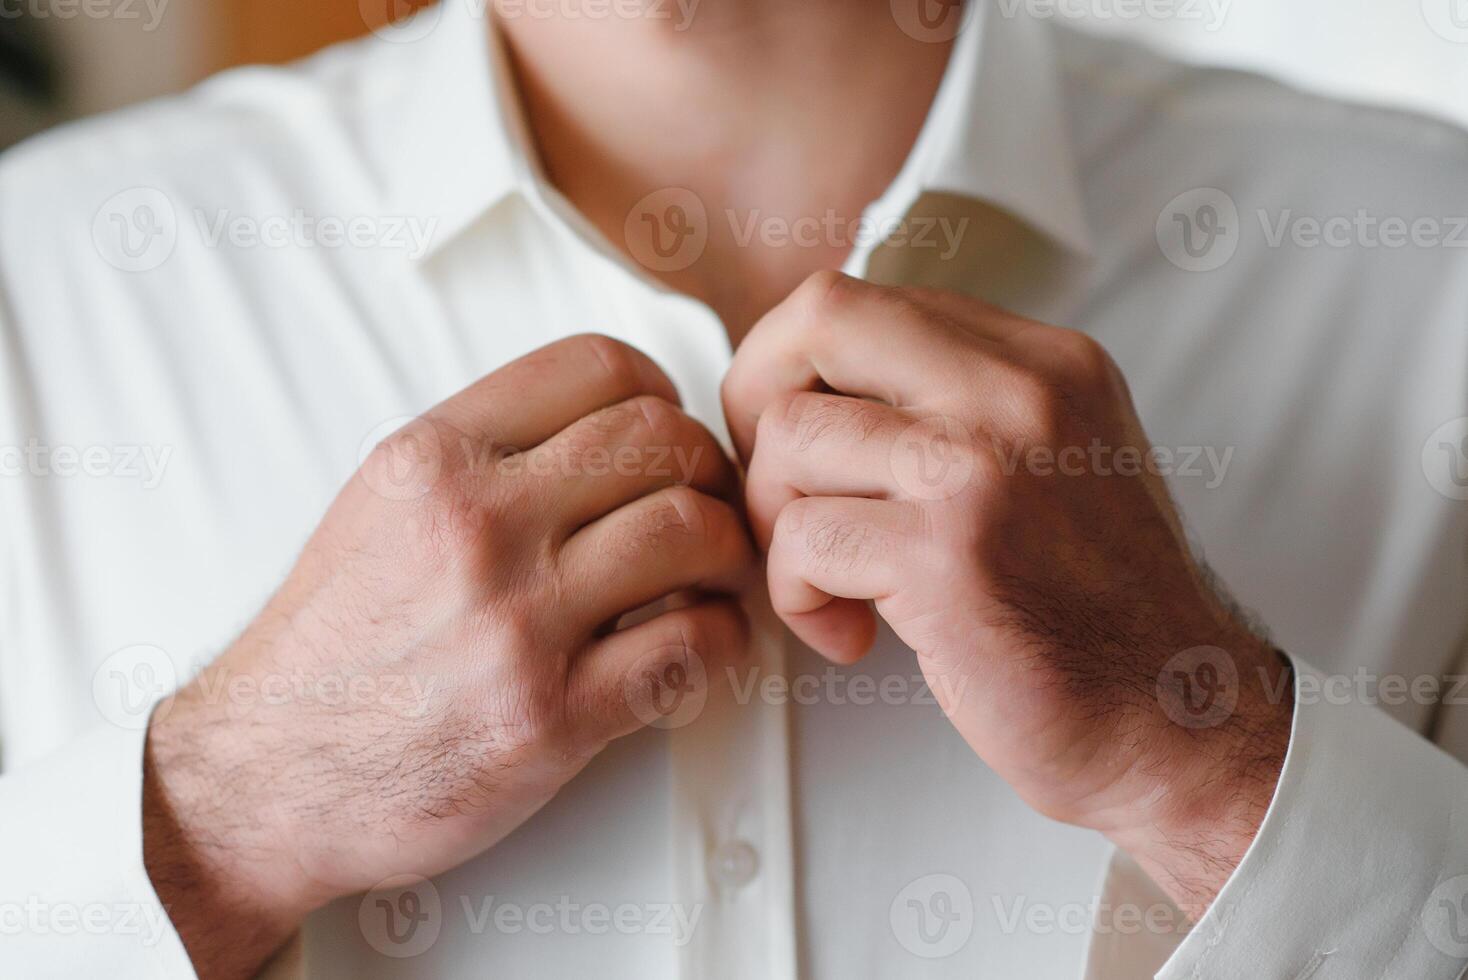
931 685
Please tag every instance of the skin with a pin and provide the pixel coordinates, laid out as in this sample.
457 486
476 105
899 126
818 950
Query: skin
1046 607
756 106
495 585
1045 611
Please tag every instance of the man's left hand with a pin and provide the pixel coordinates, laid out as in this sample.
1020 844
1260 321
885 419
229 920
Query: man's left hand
985 481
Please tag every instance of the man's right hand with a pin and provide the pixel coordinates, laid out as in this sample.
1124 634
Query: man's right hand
479 561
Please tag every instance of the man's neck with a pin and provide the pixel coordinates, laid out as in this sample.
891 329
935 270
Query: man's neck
769 111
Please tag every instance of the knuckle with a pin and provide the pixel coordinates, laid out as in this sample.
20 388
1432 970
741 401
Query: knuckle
1044 405
823 292
791 520
1085 360
684 642
684 512
620 363
517 629
732 388
779 420
639 421
660 418
450 519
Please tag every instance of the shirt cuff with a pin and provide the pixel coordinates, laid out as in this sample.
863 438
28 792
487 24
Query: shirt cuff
1359 870
75 898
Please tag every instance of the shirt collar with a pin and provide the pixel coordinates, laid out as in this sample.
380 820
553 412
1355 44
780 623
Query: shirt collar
998 130
453 141
450 139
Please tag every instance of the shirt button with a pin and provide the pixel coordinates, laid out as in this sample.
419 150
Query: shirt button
735 863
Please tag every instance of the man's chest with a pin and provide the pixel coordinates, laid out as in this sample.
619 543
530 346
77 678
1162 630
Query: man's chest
841 793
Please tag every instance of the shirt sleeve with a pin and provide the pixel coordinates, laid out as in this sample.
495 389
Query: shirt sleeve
75 899
1359 870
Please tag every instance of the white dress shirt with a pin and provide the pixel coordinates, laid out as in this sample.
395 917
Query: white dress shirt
211 305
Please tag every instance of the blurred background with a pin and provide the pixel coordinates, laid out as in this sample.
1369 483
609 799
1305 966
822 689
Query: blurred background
65 58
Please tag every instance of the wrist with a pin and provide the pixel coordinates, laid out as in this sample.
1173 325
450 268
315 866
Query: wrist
1195 826
212 846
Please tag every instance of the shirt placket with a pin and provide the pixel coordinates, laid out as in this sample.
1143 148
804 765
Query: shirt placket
730 821
733 864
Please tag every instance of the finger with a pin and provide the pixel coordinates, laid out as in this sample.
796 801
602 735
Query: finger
829 557
836 332
668 541
530 399
817 445
658 672
623 452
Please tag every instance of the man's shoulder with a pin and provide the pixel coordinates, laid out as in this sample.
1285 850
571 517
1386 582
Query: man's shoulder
244 128
1127 98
